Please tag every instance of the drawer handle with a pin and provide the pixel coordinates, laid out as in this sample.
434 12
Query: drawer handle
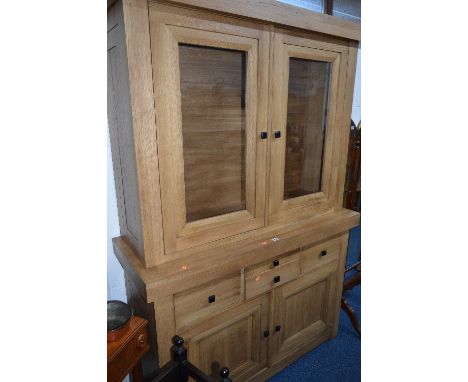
323 253
276 279
277 328
266 333
211 299
141 341
275 263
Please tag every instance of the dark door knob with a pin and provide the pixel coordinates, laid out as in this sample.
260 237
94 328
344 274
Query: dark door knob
263 135
278 134
276 279
277 328
323 253
275 263
266 333
211 298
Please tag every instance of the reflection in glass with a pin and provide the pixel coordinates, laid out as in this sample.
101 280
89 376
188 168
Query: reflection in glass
212 85
308 88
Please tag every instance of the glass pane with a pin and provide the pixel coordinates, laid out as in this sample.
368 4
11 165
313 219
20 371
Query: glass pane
313 5
212 85
306 125
347 9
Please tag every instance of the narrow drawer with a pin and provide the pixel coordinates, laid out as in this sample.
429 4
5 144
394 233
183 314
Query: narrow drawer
206 300
316 256
267 276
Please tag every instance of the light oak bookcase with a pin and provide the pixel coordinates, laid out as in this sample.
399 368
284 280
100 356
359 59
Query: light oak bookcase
229 129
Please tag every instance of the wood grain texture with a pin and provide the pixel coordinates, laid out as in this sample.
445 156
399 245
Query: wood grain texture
121 132
303 309
193 305
136 299
124 355
289 46
281 14
234 338
144 127
165 327
258 281
186 273
181 179
203 195
344 123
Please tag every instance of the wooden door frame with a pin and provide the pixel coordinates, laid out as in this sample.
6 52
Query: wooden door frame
169 27
287 44
259 308
279 348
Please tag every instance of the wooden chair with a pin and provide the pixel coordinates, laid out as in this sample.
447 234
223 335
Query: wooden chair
352 201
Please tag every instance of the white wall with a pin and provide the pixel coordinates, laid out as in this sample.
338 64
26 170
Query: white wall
115 277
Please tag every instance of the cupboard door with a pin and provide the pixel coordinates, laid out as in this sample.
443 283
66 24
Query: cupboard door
234 339
304 310
211 91
307 128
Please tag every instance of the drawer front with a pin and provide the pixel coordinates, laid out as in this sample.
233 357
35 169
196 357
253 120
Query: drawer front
316 256
260 280
136 347
206 300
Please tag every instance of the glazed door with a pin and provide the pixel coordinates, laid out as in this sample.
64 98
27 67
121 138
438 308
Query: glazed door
303 312
234 339
211 76
307 126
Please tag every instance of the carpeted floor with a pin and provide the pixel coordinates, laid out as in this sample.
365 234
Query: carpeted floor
337 360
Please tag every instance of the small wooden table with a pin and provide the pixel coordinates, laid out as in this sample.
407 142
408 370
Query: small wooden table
124 354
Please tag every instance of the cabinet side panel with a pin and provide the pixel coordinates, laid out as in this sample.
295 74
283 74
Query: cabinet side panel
136 299
121 132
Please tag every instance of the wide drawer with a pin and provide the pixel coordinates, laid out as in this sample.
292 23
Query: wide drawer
262 278
314 257
206 300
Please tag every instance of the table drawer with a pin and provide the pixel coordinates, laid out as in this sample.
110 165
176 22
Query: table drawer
206 300
315 256
125 358
267 276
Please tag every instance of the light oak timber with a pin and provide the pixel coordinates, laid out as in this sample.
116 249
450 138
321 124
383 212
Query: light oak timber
170 27
174 277
272 11
201 195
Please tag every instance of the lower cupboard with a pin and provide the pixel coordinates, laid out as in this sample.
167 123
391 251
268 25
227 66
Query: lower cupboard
266 330
255 319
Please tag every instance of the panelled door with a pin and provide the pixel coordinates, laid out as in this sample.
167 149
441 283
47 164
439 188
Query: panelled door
303 311
234 339
211 98
307 126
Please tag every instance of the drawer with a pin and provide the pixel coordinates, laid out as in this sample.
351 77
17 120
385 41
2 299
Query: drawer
206 300
314 257
262 278
130 350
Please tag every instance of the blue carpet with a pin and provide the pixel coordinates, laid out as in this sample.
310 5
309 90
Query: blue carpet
337 360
